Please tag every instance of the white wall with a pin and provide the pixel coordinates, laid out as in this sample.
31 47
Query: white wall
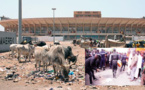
138 38
49 39
6 39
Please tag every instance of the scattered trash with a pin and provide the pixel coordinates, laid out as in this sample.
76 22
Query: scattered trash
71 73
68 88
2 70
51 89
51 71
59 87
16 80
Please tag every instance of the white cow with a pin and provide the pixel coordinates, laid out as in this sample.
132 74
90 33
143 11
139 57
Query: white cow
13 48
40 56
26 50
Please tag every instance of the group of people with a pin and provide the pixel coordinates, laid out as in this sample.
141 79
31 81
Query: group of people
100 59
136 66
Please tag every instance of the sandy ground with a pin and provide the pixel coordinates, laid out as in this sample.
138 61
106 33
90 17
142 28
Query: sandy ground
26 82
106 78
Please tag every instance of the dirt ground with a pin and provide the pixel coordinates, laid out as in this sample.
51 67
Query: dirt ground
26 81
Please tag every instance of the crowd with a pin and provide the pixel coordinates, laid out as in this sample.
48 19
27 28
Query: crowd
99 59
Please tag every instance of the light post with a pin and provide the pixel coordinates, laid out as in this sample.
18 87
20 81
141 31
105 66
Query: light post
20 22
53 24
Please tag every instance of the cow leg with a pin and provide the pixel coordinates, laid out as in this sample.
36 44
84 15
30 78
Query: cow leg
19 57
36 66
43 67
54 69
46 66
25 58
12 54
29 57
39 64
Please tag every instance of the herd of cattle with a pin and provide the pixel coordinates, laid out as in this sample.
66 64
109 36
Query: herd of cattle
59 57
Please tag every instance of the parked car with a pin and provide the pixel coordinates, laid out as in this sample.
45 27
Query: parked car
129 45
139 43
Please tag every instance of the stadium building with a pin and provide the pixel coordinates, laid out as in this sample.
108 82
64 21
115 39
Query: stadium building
84 23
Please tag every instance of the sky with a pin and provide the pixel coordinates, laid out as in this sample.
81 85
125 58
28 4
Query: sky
65 8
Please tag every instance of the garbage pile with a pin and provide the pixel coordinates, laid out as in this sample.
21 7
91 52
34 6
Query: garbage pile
16 73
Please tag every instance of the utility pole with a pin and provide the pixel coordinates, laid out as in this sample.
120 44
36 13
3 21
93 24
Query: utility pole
53 24
20 22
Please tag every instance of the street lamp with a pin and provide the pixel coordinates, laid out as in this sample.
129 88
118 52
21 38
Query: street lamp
20 22
53 24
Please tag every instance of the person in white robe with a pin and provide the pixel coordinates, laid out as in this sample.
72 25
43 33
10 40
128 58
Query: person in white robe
139 63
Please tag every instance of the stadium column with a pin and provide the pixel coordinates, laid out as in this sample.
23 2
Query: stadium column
40 29
131 29
142 30
11 29
119 28
6 29
60 28
136 29
68 32
105 29
112 28
98 31
83 29
91 28
29 29
125 30
47 29
24 28
34 29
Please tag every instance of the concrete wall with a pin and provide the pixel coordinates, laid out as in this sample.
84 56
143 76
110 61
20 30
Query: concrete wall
6 39
138 38
48 38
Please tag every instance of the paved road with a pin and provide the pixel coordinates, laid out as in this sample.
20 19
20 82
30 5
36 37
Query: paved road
106 78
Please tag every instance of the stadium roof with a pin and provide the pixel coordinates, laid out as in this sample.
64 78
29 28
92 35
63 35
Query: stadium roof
96 21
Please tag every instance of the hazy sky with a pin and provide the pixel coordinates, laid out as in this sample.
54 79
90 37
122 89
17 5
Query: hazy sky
65 8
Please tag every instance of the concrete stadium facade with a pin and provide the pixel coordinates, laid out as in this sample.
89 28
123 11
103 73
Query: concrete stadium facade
73 28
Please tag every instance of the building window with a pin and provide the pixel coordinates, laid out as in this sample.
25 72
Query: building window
32 30
26 30
87 12
109 30
115 30
43 30
37 30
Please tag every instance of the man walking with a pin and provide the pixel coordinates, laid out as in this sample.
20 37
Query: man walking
102 63
123 60
114 57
